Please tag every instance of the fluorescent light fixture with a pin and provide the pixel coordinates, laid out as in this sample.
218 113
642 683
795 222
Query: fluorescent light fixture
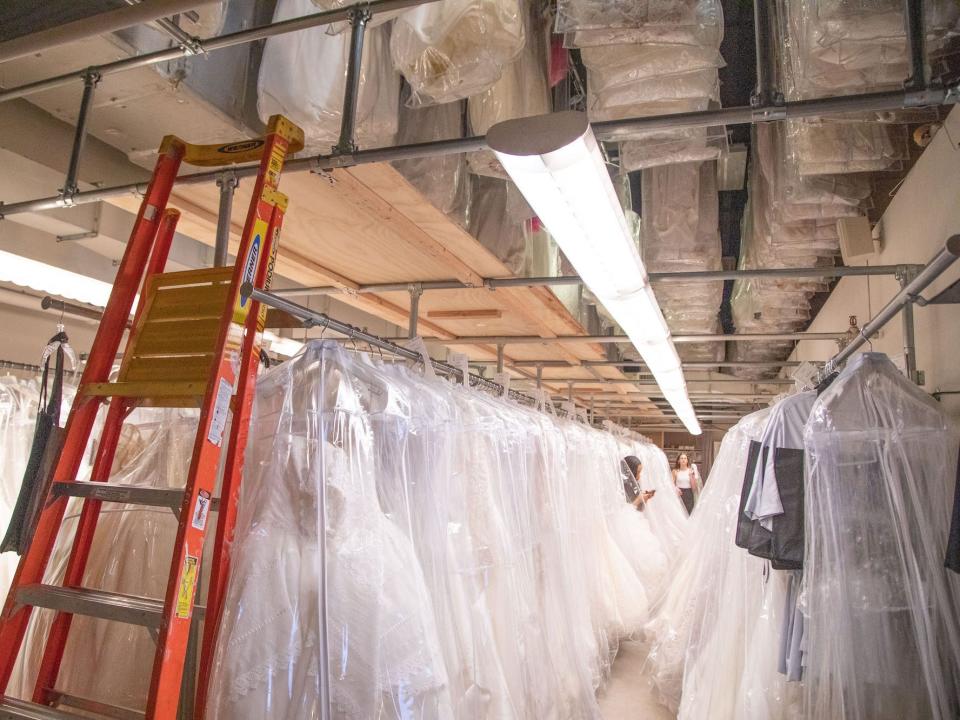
52 280
287 347
556 163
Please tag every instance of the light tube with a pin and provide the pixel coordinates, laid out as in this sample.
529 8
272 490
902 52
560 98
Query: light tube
556 163
52 280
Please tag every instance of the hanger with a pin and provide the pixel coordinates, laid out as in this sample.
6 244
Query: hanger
60 340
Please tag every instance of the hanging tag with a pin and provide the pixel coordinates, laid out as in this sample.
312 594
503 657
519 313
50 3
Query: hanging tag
461 363
503 380
419 346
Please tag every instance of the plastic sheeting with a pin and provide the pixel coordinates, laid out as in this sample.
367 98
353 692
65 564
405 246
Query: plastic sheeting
790 221
712 585
521 91
154 450
680 233
665 512
443 179
303 76
883 617
596 22
471 565
457 48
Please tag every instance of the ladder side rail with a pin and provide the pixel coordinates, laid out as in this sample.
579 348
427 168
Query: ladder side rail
14 618
118 411
233 468
174 634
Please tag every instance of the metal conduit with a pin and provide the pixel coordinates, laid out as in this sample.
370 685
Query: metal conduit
623 339
657 277
612 130
908 294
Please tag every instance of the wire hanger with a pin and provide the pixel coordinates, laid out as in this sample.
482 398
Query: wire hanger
60 340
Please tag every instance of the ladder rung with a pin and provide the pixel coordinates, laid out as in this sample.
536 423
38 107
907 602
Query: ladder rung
129 609
147 389
129 494
13 709
102 709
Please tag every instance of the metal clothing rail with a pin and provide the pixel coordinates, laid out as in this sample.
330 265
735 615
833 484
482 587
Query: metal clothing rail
657 277
911 287
13 365
311 318
623 339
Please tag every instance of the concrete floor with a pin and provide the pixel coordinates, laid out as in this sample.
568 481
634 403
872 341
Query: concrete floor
628 695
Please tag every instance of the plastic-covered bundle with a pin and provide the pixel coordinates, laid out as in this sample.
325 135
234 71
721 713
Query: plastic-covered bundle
840 46
521 91
471 569
588 23
883 617
822 147
497 221
668 147
457 48
695 603
154 451
667 517
291 84
657 95
442 179
310 465
679 233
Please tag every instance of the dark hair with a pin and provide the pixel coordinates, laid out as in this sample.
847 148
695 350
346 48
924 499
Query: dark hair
677 463
633 462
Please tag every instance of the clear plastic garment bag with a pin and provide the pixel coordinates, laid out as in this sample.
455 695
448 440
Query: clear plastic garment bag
883 629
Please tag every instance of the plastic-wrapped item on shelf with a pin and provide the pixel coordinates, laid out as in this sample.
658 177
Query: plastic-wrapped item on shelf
521 91
456 48
443 179
621 64
882 630
587 14
647 96
492 224
290 83
823 147
669 147
702 27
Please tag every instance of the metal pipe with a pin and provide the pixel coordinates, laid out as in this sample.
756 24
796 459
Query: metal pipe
662 277
358 27
415 293
931 271
763 95
171 29
240 37
611 130
227 182
617 381
623 339
315 319
913 24
90 81
49 303
688 365
909 349
14 365
98 24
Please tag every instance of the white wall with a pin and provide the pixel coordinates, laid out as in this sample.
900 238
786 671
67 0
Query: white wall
922 215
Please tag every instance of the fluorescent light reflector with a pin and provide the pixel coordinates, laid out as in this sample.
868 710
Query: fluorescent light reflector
556 163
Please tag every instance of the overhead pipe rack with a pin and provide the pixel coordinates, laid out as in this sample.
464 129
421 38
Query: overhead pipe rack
915 93
623 339
657 277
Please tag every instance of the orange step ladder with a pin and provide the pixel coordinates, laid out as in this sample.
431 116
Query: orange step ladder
195 342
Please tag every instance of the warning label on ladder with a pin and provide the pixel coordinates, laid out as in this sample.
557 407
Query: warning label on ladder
188 584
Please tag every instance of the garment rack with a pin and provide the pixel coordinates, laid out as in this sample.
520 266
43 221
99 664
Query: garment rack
910 289
25 367
310 319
